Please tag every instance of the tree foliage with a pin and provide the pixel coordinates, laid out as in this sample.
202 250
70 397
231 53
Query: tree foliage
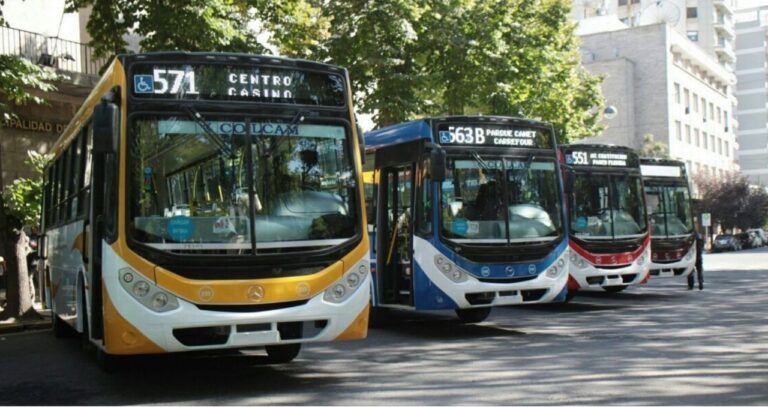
17 77
24 196
183 25
411 58
652 148
733 202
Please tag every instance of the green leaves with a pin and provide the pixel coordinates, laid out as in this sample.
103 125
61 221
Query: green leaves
23 198
179 25
18 76
429 57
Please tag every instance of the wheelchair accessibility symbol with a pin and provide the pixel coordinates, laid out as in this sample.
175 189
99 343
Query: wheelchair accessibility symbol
143 84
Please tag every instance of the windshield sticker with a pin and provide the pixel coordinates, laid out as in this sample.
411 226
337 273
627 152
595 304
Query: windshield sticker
460 226
224 226
180 228
473 228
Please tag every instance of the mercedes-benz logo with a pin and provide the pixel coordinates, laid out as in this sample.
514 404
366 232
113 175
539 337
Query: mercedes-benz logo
256 293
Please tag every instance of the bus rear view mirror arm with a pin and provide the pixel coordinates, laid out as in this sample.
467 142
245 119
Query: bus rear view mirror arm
437 158
106 119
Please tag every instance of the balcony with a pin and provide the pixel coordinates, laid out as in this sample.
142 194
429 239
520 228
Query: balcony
724 51
726 6
724 26
67 56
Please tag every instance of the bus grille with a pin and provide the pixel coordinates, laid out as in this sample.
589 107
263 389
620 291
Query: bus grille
251 307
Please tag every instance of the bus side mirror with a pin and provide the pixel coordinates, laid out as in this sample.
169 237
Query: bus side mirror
437 159
361 144
106 117
568 180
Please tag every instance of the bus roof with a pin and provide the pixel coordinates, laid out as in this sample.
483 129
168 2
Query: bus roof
223 57
421 129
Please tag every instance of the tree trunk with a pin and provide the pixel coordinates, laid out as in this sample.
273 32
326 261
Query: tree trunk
18 294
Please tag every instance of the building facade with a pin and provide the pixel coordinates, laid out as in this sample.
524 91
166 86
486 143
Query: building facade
752 92
707 23
662 84
40 31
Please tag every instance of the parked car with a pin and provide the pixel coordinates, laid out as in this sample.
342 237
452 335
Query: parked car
725 243
748 240
760 234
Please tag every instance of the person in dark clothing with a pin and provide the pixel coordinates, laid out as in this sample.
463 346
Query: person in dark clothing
699 271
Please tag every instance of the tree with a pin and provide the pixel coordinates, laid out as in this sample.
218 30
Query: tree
733 202
410 58
653 148
183 25
19 78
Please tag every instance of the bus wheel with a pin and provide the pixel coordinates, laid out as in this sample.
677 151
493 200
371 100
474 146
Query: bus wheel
106 362
85 337
615 288
282 353
60 328
473 315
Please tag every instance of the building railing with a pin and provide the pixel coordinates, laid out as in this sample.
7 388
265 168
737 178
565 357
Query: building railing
54 52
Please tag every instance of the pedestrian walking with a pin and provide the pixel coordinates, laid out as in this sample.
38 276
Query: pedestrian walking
699 270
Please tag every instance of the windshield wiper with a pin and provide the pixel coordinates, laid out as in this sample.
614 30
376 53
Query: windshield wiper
297 118
208 132
483 164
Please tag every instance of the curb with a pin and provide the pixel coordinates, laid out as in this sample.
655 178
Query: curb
25 326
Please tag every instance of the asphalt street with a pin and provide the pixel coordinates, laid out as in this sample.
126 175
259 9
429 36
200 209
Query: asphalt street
658 344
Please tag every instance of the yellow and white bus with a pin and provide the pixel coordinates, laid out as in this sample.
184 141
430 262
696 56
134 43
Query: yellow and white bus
202 201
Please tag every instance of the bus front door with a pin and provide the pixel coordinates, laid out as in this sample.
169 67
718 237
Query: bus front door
394 242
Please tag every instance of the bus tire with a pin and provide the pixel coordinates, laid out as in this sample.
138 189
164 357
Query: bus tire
282 353
615 288
85 336
106 362
473 315
60 328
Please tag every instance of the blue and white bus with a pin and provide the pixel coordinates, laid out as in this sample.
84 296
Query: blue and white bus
465 213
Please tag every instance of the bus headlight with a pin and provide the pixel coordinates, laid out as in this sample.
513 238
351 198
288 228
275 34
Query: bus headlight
641 260
556 268
350 282
146 292
450 270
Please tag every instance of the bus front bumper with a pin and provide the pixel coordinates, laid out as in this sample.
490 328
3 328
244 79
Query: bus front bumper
190 328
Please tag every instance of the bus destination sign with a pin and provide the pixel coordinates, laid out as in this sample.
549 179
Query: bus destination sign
493 135
597 158
238 83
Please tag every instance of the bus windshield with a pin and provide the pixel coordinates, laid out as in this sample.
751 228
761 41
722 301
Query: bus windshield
669 210
190 184
500 200
607 206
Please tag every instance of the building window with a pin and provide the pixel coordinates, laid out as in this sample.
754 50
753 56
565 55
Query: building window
704 109
695 103
688 134
711 111
706 142
712 142
725 119
691 12
720 146
677 130
677 93
696 137
727 150
687 97
693 36
719 118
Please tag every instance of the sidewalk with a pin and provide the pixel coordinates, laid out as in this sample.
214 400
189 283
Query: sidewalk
11 326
